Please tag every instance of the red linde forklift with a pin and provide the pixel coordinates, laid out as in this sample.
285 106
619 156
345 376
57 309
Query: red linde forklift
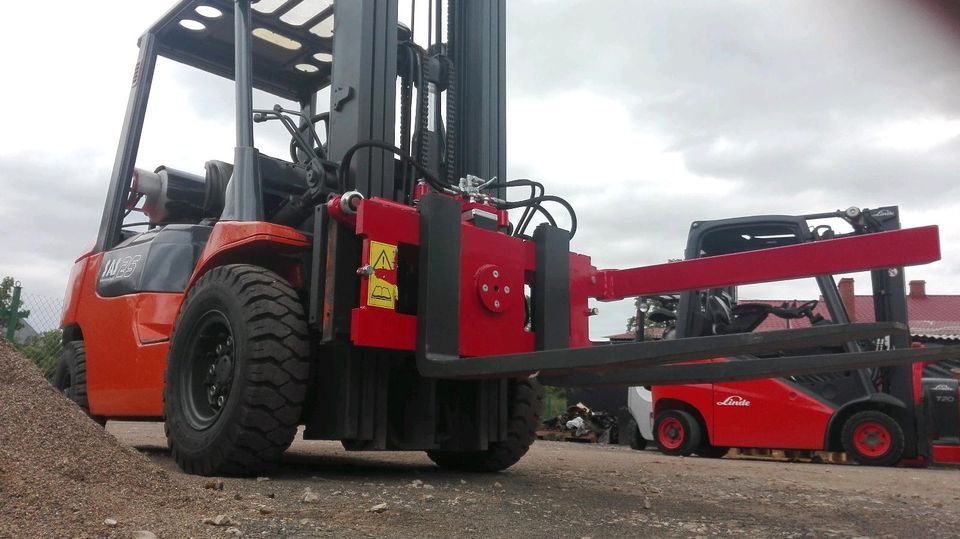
371 285
878 416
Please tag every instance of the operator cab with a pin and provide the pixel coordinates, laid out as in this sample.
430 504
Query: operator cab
718 311
291 59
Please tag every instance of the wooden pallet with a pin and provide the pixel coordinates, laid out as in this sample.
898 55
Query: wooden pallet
566 436
789 455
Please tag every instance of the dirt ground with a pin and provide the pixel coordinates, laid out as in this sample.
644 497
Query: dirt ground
557 490
61 475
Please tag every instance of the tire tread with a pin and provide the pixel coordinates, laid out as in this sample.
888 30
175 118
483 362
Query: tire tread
525 407
275 381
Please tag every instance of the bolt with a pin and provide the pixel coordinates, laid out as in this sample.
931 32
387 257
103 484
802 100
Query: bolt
506 290
212 390
496 303
366 271
213 370
219 349
485 288
221 400
496 274
893 272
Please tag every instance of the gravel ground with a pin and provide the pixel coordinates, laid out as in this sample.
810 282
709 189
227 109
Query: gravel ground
574 490
63 476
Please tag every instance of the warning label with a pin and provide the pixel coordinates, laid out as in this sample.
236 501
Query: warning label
381 286
383 256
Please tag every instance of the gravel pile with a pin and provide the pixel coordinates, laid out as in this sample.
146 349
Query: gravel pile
62 475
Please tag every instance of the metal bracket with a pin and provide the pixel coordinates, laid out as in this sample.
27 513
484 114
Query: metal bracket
340 96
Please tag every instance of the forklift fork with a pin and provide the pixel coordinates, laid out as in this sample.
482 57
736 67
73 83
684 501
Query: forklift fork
438 324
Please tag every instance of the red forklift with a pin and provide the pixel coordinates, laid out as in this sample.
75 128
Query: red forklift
371 285
878 416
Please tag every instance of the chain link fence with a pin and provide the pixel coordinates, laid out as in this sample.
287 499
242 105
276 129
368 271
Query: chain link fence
32 323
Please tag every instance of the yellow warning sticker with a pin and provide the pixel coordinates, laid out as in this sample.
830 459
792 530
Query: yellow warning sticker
381 293
383 256
381 287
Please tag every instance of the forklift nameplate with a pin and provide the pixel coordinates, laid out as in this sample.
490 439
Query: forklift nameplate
381 287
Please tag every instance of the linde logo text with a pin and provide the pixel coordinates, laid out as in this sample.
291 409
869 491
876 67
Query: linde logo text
734 400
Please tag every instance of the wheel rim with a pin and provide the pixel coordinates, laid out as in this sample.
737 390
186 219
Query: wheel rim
871 439
671 433
207 379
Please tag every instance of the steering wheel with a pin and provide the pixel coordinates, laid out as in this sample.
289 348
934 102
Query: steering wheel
807 308
320 149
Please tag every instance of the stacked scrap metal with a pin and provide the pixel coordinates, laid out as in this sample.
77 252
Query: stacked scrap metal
580 423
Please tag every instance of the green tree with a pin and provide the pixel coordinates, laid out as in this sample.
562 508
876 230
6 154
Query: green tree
44 350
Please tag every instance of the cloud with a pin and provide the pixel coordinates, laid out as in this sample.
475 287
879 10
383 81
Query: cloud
51 211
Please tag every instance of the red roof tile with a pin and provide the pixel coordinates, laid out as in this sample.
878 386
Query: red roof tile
930 316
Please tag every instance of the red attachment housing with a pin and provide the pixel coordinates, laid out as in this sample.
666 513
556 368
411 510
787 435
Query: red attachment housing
484 330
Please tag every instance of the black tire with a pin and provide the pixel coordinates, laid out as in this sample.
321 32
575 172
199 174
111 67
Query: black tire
70 377
873 438
236 372
637 441
677 433
524 407
711 451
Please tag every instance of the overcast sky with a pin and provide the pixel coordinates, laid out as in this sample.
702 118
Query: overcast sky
646 115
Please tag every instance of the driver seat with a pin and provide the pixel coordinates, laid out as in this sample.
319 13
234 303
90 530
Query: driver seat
218 175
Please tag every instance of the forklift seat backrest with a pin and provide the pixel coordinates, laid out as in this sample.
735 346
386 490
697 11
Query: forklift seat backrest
218 175
280 179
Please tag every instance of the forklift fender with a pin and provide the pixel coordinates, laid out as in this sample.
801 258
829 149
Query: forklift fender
274 247
877 401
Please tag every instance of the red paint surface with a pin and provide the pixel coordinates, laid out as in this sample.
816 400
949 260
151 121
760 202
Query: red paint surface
74 291
272 246
126 346
871 439
697 396
483 331
906 247
127 337
779 415
670 434
946 454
